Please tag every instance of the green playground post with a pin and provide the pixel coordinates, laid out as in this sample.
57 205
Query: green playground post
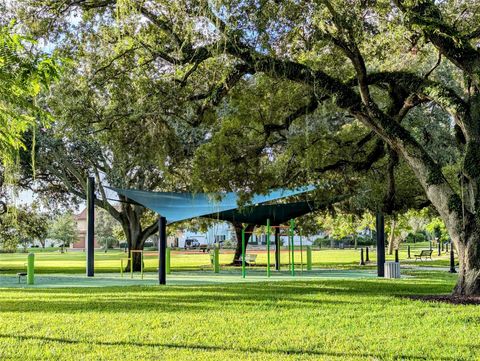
141 265
243 253
216 259
309 258
289 252
301 254
167 260
30 269
292 225
268 247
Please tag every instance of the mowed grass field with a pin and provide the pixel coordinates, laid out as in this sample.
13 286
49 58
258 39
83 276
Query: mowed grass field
74 261
344 319
315 319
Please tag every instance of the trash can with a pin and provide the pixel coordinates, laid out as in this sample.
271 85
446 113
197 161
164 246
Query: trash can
392 269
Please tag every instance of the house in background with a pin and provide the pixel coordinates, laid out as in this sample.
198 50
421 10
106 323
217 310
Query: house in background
81 220
218 232
223 231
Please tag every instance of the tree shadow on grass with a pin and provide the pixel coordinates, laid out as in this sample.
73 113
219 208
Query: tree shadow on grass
165 302
264 288
214 348
288 295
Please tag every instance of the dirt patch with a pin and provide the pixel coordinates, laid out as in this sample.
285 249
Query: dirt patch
455 300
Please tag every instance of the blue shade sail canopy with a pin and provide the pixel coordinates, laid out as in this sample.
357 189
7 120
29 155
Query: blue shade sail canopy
177 207
276 213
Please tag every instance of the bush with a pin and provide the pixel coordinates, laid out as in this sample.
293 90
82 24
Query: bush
322 242
416 237
366 241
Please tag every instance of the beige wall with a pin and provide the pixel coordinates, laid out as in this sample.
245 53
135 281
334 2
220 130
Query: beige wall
81 220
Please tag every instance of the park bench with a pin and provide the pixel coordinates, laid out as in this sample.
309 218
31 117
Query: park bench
20 275
425 253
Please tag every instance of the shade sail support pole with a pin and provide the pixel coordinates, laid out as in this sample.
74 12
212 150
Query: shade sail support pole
268 247
90 245
162 251
243 253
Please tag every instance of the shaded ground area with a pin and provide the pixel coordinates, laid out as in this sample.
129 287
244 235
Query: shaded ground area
176 278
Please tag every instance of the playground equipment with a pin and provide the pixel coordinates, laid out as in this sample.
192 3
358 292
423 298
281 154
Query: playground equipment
31 269
291 246
182 206
290 229
215 259
309 258
30 274
129 261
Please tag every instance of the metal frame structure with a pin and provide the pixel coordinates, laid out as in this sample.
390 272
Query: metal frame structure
164 254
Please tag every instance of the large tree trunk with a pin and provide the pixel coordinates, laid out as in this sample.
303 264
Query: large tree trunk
391 238
468 282
135 234
238 232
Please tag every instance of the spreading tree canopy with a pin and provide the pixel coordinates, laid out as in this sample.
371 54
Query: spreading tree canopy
376 65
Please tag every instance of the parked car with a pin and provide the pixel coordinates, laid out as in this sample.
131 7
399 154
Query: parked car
192 243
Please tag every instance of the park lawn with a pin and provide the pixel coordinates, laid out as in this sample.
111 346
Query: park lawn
300 320
74 261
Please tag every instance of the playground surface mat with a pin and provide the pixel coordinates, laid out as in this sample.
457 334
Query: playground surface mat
177 278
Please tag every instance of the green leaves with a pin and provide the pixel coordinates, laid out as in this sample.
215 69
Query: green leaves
64 229
23 74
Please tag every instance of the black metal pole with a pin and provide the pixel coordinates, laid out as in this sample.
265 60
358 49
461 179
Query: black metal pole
90 245
367 256
443 246
408 251
439 249
362 261
277 249
380 227
396 256
162 251
452 260
446 247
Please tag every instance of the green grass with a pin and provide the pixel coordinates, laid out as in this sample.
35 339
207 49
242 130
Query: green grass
361 319
304 319
74 261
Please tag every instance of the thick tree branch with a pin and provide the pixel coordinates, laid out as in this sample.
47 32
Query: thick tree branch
450 42
377 153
